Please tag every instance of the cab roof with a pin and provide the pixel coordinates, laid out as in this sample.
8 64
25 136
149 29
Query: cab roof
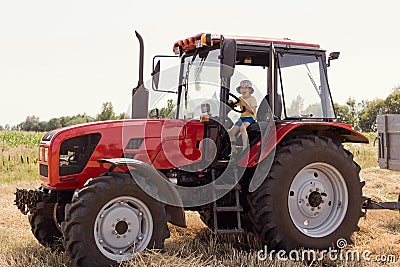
202 39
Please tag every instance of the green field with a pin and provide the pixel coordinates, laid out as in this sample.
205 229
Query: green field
14 139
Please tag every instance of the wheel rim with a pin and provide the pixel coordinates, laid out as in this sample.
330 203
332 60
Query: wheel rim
124 225
318 199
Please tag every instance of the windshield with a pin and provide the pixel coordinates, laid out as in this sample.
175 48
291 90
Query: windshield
303 85
200 84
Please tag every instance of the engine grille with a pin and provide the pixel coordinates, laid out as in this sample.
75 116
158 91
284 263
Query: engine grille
44 170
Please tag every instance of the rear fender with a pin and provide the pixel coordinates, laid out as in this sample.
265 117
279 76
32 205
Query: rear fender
155 184
338 132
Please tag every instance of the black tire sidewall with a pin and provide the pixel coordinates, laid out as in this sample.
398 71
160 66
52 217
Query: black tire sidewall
292 164
43 226
87 213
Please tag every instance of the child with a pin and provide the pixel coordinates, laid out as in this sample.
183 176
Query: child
249 103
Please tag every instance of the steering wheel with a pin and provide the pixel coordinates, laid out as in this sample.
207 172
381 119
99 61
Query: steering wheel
233 104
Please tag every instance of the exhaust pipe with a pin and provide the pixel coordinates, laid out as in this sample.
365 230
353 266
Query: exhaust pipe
141 59
140 95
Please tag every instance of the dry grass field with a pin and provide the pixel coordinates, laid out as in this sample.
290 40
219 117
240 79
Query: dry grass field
195 246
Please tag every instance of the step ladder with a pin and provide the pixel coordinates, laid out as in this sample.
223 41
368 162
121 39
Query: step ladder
222 209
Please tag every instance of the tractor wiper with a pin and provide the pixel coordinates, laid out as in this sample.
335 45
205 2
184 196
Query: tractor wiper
313 81
189 66
186 79
199 68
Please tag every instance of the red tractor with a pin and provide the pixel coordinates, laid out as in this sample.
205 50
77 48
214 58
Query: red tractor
109 188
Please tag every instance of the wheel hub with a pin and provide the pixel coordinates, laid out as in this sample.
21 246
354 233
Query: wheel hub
314 199
119 226
317 199
124 225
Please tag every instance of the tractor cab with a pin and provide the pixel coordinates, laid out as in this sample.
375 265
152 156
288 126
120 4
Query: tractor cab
289 81
289 75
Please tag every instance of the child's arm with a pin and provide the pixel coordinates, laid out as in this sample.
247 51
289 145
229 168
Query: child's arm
248 107
230 102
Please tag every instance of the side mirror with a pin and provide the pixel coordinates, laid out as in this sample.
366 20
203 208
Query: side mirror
167 81
156 75
228 58
332 56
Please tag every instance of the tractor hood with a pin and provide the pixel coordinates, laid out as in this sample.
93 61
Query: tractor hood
146 126
72 153
119 135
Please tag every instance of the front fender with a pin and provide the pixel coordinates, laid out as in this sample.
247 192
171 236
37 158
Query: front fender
156 185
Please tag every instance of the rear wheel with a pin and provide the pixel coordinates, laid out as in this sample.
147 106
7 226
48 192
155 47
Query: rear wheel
110 219
311 198
44 226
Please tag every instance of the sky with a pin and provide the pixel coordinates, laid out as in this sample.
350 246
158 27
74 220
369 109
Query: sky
62 58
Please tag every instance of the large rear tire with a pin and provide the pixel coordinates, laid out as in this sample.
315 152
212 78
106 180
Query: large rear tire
44 227
110 219
311 198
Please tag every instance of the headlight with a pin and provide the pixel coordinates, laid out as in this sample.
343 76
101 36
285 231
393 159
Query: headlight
46 154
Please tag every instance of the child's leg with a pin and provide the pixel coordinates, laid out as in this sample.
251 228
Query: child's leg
243 132
232 136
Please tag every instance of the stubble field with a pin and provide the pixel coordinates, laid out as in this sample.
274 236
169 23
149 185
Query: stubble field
378 239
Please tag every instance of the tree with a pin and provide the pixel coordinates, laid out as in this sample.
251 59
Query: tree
369 112
16 127
41 126
1 128
371 109
166 112
296 107
31 123
314 110
78 119
353 112
68 120
53 124
348 113
64 120
342 113
107 112
392 102
122 116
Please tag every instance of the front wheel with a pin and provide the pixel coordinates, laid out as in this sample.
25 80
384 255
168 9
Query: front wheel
311 198
110 219
44 226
